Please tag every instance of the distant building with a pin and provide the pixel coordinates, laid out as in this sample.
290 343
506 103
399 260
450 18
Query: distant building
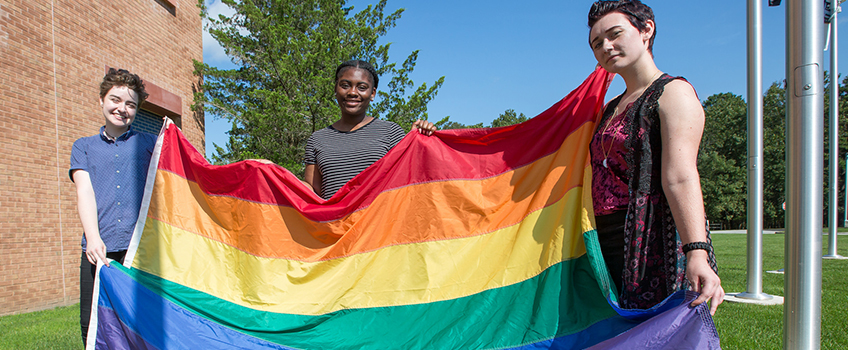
53 55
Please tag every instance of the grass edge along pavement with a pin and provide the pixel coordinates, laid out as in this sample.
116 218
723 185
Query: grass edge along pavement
740 326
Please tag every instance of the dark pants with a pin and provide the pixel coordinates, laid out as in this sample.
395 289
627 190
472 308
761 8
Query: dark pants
87 271
611 237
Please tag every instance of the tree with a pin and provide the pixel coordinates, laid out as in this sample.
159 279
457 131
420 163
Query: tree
397 108
447 124
774 155
507 118
842 148
723 184
722 160
287 52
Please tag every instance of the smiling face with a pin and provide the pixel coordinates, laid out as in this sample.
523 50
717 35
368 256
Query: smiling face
119 107
354 92
617 44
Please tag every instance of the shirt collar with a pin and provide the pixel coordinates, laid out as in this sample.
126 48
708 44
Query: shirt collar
122 137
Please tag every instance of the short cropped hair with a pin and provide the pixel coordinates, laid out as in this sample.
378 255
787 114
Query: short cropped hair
637 12
122 77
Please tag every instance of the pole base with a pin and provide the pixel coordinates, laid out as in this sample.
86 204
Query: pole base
834 257
751 298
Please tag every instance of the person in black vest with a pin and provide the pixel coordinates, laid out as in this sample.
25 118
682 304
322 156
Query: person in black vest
646 189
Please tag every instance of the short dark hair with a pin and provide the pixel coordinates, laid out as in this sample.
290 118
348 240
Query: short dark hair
637 12
375 79
122 77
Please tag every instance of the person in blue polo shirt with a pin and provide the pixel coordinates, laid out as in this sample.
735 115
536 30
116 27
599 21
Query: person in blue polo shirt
109 170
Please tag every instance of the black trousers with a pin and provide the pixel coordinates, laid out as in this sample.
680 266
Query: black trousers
87 271
611 237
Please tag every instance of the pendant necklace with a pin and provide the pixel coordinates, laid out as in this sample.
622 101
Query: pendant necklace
615 114
603 137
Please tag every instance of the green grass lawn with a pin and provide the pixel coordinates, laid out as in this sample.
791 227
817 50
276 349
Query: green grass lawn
740 326
743 326
49 329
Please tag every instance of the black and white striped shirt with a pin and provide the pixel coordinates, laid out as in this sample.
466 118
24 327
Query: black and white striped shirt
341 155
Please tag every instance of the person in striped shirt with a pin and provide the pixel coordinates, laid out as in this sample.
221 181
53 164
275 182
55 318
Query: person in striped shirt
337 153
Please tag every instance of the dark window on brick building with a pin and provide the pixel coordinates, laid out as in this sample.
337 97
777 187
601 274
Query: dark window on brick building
146 121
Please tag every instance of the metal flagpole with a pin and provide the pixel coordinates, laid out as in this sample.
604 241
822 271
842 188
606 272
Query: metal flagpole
804 168
755 154
831 11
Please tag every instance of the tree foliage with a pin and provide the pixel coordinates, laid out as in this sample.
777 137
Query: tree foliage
723 158
842 146
508 117
774 155
282 91
447 124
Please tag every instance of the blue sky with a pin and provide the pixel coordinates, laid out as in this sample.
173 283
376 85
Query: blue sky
526 55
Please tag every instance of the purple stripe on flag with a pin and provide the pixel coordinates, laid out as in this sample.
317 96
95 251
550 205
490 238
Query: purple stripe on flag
671 324
680 327
114 334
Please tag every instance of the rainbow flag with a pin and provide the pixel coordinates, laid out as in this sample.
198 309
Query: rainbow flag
468 239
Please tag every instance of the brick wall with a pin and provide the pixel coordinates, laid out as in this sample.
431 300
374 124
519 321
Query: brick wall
52 57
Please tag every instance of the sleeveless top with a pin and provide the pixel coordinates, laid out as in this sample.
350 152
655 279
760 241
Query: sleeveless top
653 254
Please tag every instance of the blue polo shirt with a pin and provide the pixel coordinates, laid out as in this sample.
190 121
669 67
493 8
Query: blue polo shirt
118 171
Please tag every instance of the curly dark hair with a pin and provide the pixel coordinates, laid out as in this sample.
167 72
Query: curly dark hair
122 77
375 79
637 12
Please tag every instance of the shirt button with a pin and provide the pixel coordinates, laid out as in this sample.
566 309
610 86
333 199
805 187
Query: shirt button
119 203
119 220
117 171
116 156
119 186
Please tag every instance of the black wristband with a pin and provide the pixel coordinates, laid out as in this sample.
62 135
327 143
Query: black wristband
688 247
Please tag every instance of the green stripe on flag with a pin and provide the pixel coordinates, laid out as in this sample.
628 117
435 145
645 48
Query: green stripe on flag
562 300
